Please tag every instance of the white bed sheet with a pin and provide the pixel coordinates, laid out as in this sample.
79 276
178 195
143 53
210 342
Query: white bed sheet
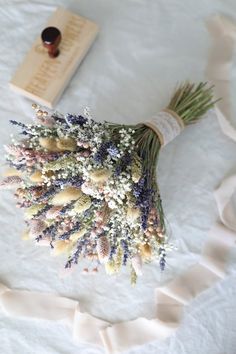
143 49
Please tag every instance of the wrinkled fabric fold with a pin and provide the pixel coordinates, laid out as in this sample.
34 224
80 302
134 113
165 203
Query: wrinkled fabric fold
122 336
173 297
86 328
34 304
223 34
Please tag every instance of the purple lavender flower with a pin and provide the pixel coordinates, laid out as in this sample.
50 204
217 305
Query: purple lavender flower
68 264
112 252
42 211
123 163
14 165
74 258
162 261
112 150
25 132
59 119
76 120
75 181
67 234
102 153
19 124
38 238
47 195
51 230
124 245
66 208
144 199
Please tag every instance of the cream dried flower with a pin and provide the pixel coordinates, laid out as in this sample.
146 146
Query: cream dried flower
137 264
136 169
60 164
76 235
61 246
36 227
66 144
53 212
100 175
111 268
33 210
12 172
132 214
146 251
103 249
11 182
36 177
66 196
83 203
49 143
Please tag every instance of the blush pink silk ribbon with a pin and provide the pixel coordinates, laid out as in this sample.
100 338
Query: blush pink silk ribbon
171 298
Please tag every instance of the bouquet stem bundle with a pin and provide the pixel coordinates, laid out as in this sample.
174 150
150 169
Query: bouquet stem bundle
190 102
90 189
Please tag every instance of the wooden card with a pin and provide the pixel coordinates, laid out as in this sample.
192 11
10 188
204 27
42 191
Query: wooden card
43 79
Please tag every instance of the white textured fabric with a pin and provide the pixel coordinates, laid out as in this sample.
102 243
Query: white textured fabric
119 337
143 49
167 125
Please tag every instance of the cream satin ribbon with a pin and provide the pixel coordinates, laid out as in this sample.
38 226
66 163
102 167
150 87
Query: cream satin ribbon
171 298
223 33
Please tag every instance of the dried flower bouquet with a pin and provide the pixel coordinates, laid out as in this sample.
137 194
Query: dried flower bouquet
90 189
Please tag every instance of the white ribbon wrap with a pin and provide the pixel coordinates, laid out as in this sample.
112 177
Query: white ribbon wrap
167 125
171 298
